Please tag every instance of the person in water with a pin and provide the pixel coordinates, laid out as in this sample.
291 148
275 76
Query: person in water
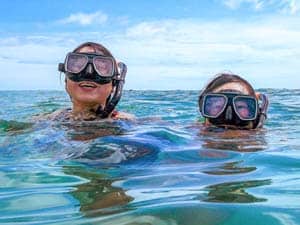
94 81
229 101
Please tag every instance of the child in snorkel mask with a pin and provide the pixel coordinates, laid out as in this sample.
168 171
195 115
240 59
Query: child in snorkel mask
229 101
94 81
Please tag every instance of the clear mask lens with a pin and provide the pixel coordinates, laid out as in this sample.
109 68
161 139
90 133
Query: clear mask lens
214 105
103 66
75 63
245 107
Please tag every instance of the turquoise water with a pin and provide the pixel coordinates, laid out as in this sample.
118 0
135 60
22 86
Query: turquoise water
161 169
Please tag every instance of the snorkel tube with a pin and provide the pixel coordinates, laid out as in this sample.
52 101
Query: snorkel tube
113 100
263 111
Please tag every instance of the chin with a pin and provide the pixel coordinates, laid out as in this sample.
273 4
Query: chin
89 98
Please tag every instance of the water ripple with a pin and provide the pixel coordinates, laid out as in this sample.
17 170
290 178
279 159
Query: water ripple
163 168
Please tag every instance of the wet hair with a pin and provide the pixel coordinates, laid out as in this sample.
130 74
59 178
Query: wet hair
95 46
224 78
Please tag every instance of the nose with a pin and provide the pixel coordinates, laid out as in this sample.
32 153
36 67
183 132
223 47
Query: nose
228 115
89 69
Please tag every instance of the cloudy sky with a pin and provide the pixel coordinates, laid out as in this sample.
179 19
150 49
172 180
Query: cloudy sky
166 44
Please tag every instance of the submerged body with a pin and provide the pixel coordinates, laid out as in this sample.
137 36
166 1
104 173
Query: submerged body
68 115
206 179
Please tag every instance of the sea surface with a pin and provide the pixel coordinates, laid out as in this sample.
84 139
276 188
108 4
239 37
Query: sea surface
162 169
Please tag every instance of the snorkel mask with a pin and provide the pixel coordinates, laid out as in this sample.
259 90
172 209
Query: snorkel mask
88 67
98 68
231 108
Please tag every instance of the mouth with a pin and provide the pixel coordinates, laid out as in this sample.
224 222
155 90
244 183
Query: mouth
86 84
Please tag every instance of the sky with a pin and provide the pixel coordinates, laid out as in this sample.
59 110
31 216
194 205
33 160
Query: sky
166 44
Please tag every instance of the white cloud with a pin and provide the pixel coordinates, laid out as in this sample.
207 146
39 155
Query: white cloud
234 4
188 52
285 6
171 54
293 6
85 18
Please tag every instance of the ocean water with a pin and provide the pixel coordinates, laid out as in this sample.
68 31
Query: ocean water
162 169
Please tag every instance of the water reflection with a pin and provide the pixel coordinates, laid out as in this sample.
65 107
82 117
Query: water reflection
233 140
98 196
230 168
234 192
89 130
112 150
14 127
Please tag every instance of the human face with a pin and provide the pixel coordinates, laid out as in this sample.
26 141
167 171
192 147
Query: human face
231 104
88 93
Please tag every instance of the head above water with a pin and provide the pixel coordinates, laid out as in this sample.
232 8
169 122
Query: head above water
94 79
230 101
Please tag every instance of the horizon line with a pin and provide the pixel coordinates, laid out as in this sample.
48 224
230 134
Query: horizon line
2 90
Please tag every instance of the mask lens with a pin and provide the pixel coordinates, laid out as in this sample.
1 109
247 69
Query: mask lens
103 66
75 63
245 107
213 105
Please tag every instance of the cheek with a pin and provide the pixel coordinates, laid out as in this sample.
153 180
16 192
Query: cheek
104 91
70 87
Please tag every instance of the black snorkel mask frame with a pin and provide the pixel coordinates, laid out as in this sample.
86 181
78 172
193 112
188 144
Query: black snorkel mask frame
87 71
236 122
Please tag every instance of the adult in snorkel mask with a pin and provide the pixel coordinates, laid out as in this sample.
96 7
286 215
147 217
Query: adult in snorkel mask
94 81
229 101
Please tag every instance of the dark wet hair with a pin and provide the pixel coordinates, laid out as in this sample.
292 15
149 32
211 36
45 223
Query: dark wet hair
95 46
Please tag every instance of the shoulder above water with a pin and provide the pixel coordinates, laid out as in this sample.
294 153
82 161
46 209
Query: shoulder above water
122 116
65 115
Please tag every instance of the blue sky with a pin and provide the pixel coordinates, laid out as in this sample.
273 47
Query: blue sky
166 44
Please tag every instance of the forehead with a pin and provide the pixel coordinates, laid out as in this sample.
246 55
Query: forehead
90 49
235 86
